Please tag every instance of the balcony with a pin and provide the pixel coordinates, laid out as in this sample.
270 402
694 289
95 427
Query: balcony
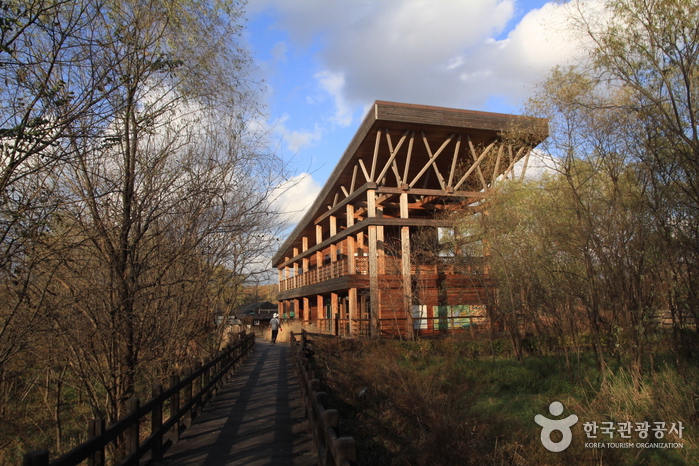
392 266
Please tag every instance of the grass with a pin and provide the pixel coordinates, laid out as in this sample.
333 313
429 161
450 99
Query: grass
432 402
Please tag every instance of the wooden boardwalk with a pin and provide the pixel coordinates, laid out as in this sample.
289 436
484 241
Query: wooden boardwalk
255 419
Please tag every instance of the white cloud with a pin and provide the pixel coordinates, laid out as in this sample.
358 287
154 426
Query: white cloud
293 140
334 84
435 52
295 196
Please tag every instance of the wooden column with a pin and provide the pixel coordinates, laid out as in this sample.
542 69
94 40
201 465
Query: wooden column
334 310
351 259
353 310
370 203
373 282
350 215
320 313
319 239
407 282
380 250
306 310
333 226
405 267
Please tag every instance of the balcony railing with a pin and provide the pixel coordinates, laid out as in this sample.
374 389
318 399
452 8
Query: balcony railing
392 266
396 327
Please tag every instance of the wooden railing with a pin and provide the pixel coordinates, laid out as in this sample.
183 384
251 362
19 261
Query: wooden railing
392 266
195 389
320 274
322 423
395 327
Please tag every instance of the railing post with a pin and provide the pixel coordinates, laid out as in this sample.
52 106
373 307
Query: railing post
197 389
188 397
337 324
206 378
36 458
95 429
133 432
175 406
157 424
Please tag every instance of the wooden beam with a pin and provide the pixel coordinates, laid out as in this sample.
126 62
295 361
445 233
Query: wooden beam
376 154
511 167
432 157
393 153
478 168
354 178
497 165
526 163
475 165
452 173
366 174
407 160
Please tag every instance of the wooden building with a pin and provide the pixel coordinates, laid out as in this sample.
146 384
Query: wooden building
358 262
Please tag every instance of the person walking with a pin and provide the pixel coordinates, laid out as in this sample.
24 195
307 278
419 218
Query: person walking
276 326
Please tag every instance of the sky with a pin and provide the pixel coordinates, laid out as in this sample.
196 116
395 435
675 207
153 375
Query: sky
324 62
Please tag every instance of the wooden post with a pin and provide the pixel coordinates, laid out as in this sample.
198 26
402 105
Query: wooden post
175 406
373 283
198 387
407 281
350 215
94 429
371 203
133 432
334 309
156 424
353 314
320 313
36 458
351 259
207 378
380 250
188 397
333 225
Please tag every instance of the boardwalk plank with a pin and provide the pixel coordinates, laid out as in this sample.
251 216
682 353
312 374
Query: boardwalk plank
256 419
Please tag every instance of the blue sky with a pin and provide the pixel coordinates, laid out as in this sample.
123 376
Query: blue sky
324 62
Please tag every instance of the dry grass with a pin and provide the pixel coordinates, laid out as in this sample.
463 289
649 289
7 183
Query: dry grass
427 404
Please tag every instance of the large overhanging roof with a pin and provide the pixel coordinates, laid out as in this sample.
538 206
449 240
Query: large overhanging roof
440 124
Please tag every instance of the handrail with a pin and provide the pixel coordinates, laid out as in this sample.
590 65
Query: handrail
323 423
392 326
128 427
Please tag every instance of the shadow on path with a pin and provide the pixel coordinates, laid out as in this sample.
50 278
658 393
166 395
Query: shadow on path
255 419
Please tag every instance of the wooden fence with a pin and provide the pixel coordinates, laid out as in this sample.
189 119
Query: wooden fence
194 390
322 423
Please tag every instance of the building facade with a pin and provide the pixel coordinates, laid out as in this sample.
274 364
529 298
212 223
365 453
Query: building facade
374 255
